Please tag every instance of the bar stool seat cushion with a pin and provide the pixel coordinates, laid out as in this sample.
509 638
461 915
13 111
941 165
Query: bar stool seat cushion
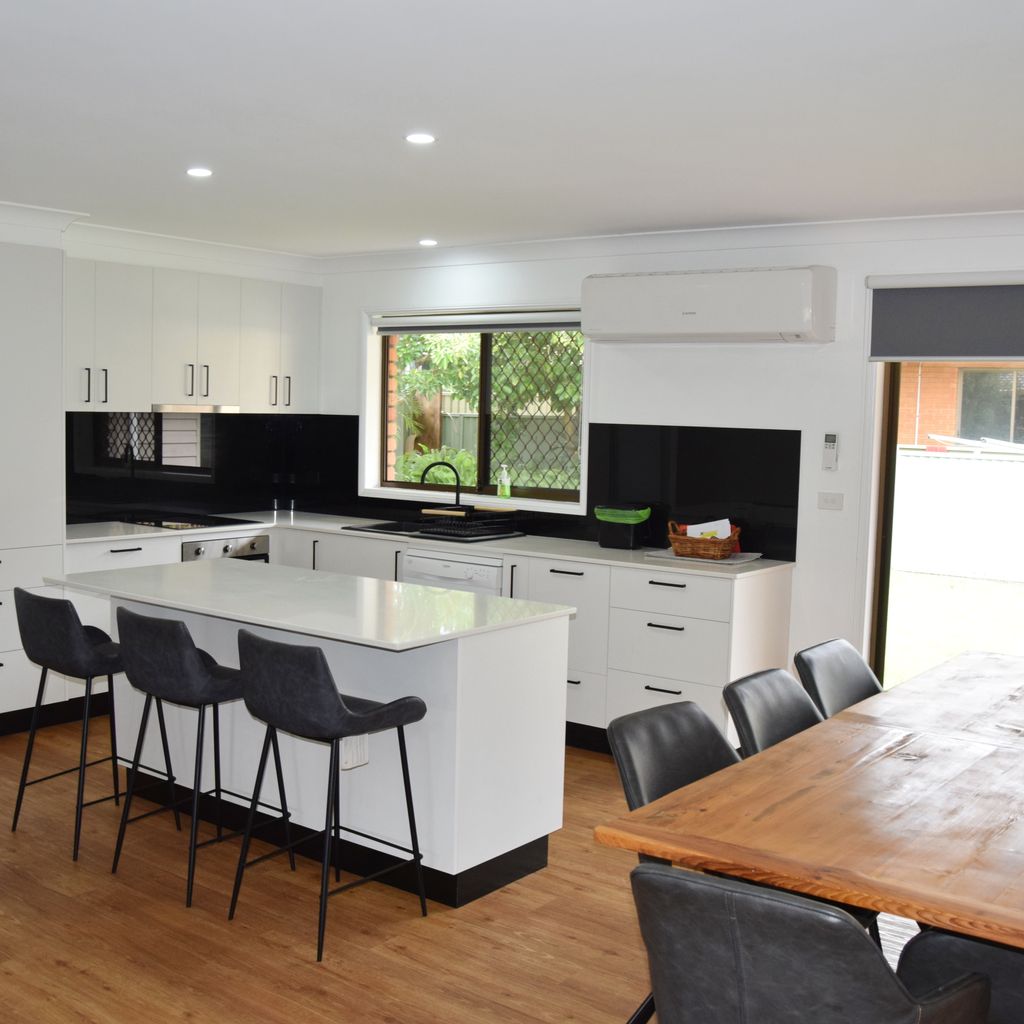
53 637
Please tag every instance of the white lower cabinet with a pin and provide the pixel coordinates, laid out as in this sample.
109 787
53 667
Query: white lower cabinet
668 645
352 555
632 691
585 698
19 683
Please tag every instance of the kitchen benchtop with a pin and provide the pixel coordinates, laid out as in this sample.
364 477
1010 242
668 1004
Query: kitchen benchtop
355 609
530 546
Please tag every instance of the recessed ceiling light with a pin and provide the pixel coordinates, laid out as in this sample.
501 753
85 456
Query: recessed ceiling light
428 241
420 138
199 172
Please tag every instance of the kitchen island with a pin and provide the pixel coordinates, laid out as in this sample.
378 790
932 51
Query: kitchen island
486 762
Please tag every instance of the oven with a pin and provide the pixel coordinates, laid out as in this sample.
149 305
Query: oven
249 549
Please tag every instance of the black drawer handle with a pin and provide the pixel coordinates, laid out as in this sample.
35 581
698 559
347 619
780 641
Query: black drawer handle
565 572
123 551
658 583
658 625
573 682
658 689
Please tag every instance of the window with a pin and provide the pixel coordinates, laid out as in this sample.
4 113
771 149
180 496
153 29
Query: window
482 399
992 404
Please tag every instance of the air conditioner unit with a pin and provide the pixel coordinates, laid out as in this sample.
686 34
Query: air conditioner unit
778 304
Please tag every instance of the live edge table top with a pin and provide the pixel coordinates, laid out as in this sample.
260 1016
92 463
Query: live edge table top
911 803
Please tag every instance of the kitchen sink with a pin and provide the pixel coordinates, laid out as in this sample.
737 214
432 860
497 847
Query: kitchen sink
404 527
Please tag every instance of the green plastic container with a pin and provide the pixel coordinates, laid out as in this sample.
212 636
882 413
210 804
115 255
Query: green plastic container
620 525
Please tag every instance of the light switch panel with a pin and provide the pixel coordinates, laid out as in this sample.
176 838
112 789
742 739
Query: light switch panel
831 501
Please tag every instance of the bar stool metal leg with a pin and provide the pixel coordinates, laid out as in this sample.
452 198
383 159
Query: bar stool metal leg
417 856
216 770
337 826
83 757
193 832
282 800
130 788
167 760
250 821
28 750
644 1012
325 869
113 743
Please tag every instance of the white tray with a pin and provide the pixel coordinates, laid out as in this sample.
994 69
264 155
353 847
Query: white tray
734 559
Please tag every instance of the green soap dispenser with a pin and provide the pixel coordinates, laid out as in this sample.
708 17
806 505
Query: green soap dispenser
504 482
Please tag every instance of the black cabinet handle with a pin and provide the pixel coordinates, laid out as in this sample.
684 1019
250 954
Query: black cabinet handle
106 381
658 689
658 625
206 389
573 682
287 391
273 377
88 383
659 583
398 551
191 380
314 552
123 551
565 572
511 580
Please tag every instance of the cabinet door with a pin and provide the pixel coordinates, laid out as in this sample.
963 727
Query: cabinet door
220 302
585 587
358 556
79 335
293 547
175 311
123 364
260 347
300 348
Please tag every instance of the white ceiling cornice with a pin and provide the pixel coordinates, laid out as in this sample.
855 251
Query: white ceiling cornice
34 225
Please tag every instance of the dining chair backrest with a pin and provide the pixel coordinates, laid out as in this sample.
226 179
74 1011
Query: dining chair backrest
835 675
661 749
723 951
767 708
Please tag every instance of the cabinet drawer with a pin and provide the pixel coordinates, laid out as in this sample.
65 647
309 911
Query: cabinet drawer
585 699
669 646
584 587
673 593
19 683
121 554
26 567
629 691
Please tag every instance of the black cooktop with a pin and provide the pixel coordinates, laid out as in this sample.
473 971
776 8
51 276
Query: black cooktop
164 520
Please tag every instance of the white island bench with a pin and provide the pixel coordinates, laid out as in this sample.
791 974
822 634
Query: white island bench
486 762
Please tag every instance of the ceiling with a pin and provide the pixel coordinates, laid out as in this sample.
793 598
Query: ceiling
554 118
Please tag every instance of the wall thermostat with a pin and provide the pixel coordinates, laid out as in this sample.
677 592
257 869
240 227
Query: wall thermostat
830 453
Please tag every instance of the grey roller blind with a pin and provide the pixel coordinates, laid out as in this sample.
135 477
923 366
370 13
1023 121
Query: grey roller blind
948 324
477 323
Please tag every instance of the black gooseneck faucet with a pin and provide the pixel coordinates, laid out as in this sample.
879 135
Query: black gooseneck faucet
458 482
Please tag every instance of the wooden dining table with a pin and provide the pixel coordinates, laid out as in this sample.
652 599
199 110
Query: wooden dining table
911 803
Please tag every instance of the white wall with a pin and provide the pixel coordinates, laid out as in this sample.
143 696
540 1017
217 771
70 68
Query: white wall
809 388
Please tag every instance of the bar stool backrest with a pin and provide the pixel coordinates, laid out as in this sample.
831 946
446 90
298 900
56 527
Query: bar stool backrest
161 658
291 687
52 635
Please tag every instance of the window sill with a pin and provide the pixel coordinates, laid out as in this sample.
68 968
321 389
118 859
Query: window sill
568 508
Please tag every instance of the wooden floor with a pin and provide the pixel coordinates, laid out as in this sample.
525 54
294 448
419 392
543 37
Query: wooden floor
78 944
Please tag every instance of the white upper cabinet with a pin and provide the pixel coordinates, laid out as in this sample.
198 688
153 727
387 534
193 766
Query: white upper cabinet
300 348
108 336
196 320
280 347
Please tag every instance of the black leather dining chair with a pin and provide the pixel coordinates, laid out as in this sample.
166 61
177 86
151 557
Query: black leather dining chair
933 955
835 676
659 750
53 637
767 708
723 951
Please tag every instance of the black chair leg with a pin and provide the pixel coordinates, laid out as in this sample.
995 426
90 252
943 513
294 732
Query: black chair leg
644 1012
113 743
874 933
417 856
130 788
28 750
167 761
82 759
197 788
250 821
325 869
282 799
337 826
216 770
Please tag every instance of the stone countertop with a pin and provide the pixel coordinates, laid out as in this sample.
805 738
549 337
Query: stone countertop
354 609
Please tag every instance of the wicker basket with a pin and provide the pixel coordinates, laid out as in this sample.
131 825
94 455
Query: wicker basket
702 547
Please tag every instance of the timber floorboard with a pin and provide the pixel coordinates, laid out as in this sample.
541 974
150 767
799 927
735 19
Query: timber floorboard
78 944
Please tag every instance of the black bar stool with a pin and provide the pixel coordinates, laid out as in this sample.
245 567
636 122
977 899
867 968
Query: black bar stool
290 687
53 637
161 660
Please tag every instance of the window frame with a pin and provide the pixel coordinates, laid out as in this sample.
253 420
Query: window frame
1017 373
372 424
